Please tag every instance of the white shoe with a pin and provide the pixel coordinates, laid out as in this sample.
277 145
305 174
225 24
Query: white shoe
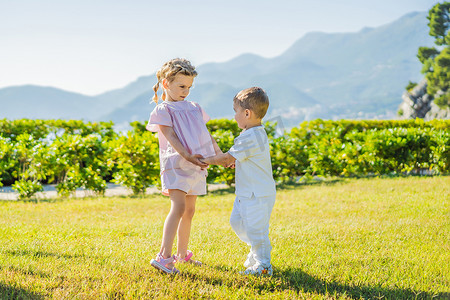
250 262
258 270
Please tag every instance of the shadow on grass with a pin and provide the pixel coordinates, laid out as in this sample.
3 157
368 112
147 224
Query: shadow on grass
300 282
38 254
296 185
14 292
223 191
296 279
325 181
285 186
28 272
9 292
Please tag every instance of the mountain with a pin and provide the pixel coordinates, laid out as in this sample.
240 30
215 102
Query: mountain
122 96
349 74
328 75
35 102
215 99
322 75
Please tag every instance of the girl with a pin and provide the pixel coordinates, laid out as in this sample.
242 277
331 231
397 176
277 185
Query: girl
183 141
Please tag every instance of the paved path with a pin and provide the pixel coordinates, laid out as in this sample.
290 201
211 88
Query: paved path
7 193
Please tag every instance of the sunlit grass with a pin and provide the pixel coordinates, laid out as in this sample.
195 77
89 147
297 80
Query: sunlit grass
348 239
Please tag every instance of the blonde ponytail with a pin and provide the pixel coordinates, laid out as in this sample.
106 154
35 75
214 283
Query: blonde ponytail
155 89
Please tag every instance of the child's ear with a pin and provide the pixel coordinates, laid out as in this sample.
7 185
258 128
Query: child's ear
164 83
248 113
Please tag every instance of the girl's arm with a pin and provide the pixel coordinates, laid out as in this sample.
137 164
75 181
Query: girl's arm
223 159
173 139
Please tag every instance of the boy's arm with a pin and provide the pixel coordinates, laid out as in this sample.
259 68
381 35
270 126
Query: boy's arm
223 159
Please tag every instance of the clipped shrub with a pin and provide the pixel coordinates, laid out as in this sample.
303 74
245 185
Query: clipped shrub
74 154
76 161
135 159
289 158
28 170
7 161
440 149
27 188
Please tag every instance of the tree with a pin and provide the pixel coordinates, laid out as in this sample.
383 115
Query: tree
436 60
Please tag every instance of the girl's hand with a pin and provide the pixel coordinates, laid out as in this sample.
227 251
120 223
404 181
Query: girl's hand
231 166
196 160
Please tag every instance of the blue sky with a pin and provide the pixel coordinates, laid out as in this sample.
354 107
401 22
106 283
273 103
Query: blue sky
92 46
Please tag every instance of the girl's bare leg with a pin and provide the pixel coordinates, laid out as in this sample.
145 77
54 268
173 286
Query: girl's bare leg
177 210
184 228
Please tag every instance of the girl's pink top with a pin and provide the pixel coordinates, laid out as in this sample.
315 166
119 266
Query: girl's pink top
188 120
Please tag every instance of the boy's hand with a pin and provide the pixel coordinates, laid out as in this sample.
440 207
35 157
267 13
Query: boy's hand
231 166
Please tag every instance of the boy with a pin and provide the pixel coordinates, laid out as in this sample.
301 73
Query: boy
255 187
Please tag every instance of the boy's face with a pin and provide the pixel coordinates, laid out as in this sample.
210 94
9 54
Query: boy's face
178 89
240 115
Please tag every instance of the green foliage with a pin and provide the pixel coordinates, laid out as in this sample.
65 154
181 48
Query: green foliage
396 150
138 126
410 86
76 161
353 148
49 129
28 169
440 23
90 158
135 159
443 101
7 161
27 188
289 158
436 63
70 153
223 124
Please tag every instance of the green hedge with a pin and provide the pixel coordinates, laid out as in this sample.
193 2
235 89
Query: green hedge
75 154
353 148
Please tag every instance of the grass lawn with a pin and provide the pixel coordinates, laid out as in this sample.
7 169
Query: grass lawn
385 238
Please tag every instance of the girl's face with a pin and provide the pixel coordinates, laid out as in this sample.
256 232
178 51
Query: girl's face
178 89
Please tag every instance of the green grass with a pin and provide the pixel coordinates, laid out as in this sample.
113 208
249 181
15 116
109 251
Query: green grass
348 239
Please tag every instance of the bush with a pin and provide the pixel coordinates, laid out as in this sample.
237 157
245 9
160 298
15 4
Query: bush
74 154
135 159
289 158
76 161
28 170
440 149
7 161
27 188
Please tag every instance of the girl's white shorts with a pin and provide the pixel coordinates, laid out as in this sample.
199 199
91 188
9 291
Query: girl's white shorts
192 182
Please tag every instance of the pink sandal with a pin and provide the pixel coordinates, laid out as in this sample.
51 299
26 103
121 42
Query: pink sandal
161 263
187 259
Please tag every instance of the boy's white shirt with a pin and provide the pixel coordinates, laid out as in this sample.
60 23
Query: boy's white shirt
253 166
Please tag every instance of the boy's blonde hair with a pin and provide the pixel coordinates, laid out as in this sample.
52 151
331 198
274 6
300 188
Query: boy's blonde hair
169 70
254 99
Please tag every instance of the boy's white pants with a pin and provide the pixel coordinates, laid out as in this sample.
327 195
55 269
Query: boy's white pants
250 221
